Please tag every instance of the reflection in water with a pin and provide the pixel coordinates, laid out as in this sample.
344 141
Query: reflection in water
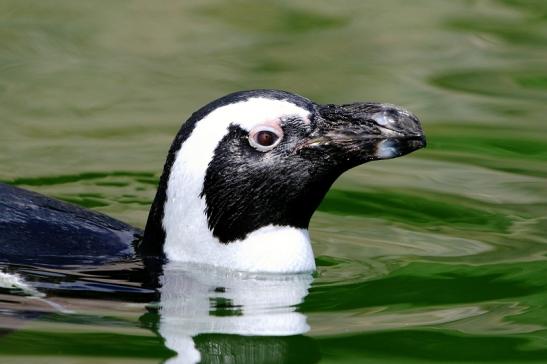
215 315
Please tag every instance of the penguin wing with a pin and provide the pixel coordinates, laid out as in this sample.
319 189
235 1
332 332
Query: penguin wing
35 229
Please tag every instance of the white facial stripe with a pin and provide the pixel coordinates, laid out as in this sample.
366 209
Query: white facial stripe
188 237
198 150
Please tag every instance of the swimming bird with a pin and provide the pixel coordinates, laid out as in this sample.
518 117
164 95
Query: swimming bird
241 181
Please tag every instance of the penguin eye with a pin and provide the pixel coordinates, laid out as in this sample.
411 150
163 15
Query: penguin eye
264 138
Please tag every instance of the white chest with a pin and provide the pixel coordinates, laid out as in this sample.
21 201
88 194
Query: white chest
269 249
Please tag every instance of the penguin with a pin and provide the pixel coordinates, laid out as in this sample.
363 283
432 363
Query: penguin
240 183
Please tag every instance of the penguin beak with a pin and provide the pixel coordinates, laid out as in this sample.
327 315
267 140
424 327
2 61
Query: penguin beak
353 134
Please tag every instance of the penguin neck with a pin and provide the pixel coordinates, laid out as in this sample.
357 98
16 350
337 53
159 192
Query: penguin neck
271 249
178 230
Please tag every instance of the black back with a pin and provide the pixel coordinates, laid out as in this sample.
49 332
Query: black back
36 229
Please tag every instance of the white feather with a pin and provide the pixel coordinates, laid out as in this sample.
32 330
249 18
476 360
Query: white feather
188 238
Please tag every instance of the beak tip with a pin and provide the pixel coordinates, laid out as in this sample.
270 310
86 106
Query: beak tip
417 143
393 148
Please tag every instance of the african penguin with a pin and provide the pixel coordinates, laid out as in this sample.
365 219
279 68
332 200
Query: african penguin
246 172
241 181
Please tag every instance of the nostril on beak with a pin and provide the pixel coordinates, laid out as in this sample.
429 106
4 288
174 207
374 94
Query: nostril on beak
397 119
384 117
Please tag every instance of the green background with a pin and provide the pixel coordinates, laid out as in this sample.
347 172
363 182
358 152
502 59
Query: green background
439 256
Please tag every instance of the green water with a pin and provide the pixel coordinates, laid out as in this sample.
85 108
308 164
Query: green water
440 256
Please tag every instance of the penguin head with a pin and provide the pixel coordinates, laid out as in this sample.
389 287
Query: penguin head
246 172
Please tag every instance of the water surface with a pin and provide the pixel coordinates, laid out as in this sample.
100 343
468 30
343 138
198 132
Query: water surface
439 256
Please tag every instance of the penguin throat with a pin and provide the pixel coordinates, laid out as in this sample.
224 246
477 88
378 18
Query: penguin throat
272 249
267 247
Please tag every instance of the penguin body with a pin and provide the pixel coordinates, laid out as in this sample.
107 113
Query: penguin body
35 229
241 181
